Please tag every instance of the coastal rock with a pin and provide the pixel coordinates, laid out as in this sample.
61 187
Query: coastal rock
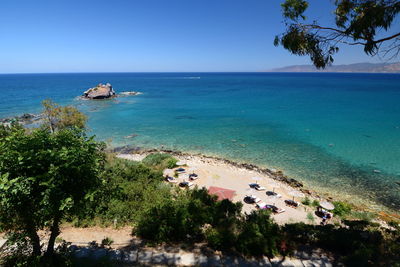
127 149
128 93
26 118
131 135
101 91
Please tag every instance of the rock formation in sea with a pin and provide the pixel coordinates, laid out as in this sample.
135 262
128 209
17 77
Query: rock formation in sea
104 91
101 91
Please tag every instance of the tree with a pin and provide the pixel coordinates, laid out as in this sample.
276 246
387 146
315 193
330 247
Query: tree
61 117
45 177
358 22
259 236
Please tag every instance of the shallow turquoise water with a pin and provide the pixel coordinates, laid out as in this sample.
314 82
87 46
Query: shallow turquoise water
328 130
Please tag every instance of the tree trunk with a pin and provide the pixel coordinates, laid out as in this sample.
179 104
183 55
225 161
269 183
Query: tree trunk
55 231
35 241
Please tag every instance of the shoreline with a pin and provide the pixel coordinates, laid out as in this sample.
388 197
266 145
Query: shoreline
277 175
382 212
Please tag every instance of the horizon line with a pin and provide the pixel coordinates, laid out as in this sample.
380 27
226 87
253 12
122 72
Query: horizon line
204 72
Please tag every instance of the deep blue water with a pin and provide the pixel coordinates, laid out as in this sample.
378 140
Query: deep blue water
328 130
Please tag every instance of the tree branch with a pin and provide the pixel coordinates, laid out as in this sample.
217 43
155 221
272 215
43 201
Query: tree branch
313 26
323 28
387 38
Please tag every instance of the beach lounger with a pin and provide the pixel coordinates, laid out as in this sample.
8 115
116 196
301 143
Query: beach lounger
257 187
291 203
255 198
273 194
274 209
180 170
171 179
321 212
185 184
251 199
193 177
261 205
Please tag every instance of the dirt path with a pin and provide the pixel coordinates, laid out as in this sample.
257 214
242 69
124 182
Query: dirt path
82 236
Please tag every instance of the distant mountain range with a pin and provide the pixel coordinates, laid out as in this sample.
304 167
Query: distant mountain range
357 67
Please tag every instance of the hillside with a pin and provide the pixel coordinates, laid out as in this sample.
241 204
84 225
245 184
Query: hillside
357 67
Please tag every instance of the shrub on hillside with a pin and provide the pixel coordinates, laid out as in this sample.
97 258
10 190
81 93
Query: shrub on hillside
259 235
166 223
107 242
341 208
160 161
129 188
306 201
184 217
127 170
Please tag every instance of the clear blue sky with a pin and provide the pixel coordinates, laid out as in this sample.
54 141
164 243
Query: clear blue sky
149 35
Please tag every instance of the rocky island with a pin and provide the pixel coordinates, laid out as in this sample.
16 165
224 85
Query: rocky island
101 91
104 91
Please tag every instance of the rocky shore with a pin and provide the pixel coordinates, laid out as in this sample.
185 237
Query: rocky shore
27 118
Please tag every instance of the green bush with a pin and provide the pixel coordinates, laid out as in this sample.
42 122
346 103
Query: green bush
213 238
259 235
306 201
160 161
315 203
183 217
221 238
358 243
166 223
310 217
106 242
341 208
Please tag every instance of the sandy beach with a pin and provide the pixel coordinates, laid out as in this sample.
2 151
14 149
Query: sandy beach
217 173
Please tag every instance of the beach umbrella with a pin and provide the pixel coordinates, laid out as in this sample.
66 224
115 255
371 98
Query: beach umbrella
180 163
192 169
274 185
326 205
256 178
296 193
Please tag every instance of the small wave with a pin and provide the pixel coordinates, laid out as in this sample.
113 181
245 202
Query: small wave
194 78
182 78
185 117
128 93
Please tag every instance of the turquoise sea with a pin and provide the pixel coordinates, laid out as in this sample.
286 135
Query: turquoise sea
337 132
